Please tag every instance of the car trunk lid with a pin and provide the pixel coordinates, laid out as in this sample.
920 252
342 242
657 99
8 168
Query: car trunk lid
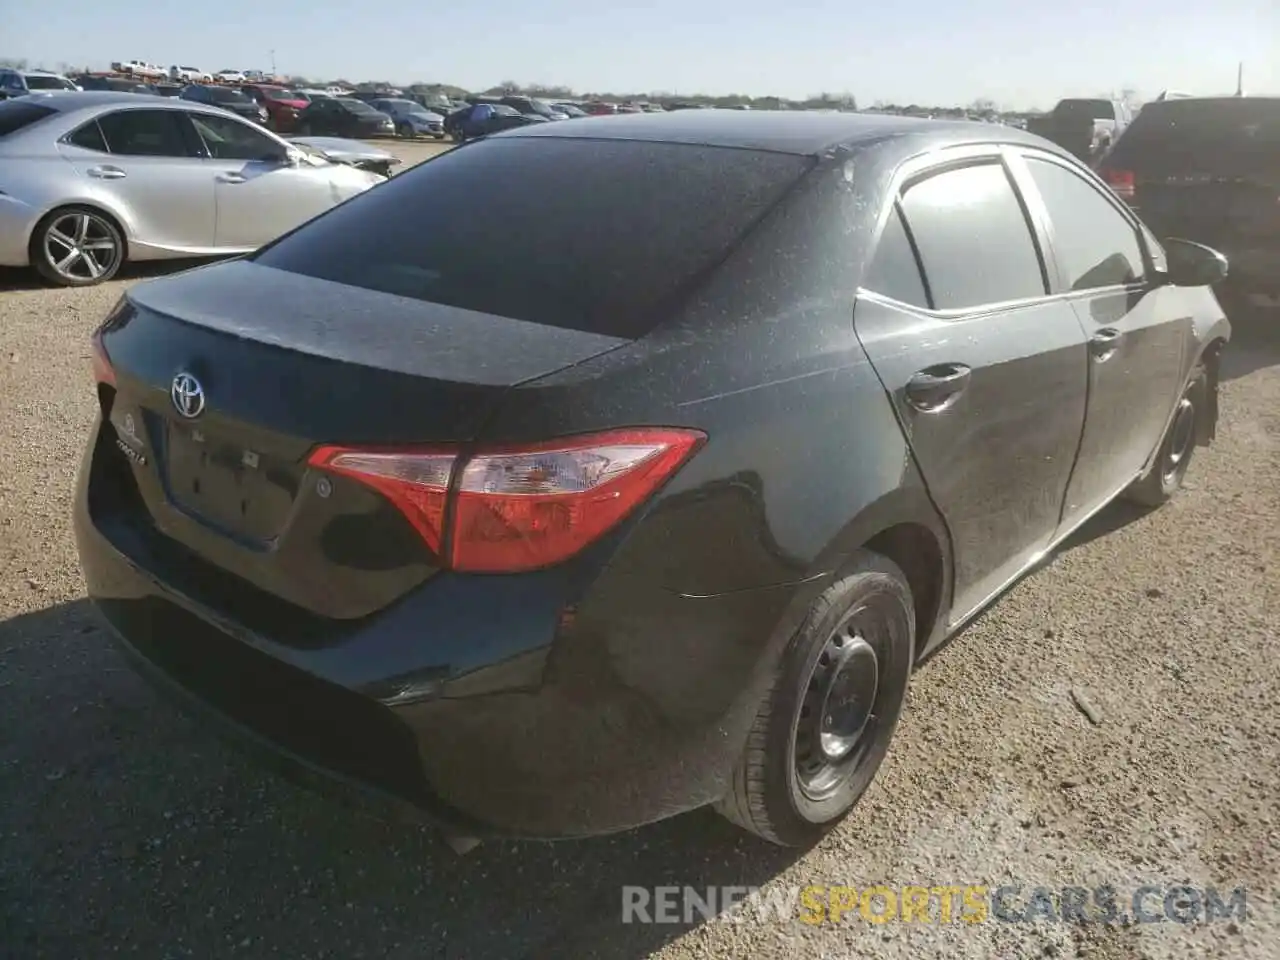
228 376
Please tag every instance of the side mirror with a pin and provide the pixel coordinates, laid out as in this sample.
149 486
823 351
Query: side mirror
1193 264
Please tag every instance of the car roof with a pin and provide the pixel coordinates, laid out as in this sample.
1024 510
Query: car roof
1212 99
68 101
783 131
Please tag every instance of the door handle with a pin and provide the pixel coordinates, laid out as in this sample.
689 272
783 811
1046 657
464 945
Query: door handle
1103 344
107 173
231 178
934 388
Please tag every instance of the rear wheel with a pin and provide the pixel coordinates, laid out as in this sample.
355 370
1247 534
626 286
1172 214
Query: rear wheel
304 129
1177 447
826 723
404 131
76 247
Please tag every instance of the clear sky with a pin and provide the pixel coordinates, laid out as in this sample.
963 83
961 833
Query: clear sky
1019 54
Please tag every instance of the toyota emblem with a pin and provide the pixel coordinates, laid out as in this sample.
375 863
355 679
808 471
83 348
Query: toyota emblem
187 396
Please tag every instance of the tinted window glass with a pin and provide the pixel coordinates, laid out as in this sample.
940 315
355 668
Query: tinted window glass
223 95
587 234
974 241
894 271
1238 135
144 133
16 114
49 83
89 137
1094 245
228 139
1086 109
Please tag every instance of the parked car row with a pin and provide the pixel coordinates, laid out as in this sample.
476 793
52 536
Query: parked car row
184 74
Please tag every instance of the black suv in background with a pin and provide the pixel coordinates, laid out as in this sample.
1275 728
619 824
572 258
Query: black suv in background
231 100
1208 169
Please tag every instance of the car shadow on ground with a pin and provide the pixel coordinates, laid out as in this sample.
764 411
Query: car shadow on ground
130 827
1255 340
15 278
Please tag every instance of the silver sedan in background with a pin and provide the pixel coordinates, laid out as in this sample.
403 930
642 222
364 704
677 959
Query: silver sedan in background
89 180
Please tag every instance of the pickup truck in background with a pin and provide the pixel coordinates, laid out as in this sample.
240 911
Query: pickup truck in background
1084 127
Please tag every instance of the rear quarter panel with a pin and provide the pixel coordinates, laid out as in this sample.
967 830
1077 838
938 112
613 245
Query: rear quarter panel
678 629
804 460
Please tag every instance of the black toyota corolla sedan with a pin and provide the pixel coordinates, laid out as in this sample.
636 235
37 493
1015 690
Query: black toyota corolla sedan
561 516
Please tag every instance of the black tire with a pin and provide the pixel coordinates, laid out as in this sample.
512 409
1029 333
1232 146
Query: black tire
404 131
1176 447
304 129
101 247
773 793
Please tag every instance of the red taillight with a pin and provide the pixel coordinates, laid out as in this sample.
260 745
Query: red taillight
520 508
102 369
415 482
1121 182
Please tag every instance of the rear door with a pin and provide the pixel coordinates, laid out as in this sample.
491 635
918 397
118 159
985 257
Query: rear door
988 373
258 197
1138 333
147 160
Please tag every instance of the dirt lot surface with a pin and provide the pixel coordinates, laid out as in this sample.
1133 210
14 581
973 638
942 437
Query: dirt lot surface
128 829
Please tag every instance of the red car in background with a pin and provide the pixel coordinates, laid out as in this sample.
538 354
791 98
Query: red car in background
282 104
599 108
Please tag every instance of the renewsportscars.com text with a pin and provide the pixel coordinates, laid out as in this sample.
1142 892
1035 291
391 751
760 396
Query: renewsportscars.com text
938 903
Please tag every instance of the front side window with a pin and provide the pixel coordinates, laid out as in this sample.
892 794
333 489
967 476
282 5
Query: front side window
1095 246
229 139
972 234
144 133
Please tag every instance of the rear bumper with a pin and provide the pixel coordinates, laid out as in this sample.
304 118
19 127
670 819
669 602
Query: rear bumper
527 722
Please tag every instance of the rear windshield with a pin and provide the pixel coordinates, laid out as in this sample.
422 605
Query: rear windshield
1086 109
223 95
1237 135
18 113
49 83
593 235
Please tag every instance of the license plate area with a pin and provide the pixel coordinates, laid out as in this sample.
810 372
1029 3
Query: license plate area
231 486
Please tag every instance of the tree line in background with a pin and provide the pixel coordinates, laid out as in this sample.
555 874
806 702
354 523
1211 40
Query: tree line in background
820 101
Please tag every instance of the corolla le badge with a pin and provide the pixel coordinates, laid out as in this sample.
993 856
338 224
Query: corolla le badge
187 396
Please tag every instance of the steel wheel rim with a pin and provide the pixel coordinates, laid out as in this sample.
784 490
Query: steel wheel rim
1180 437
837 719
81 246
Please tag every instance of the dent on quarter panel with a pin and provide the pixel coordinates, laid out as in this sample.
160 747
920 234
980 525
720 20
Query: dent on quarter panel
764 359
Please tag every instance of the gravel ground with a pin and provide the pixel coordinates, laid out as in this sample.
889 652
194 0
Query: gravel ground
128 829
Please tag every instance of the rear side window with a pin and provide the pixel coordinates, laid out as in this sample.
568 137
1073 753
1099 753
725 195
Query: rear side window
594 235
89 137
894 271
16 114
1093 243
144 133
974 240
1217 136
